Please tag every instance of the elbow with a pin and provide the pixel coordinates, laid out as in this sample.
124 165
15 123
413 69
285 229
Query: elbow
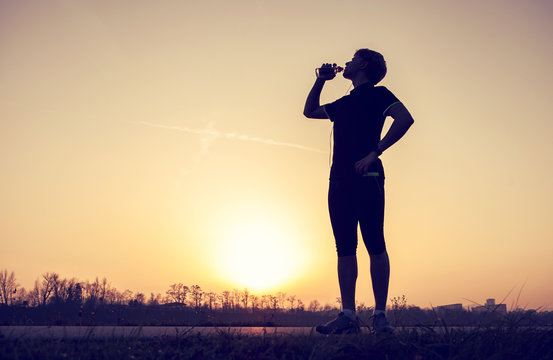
405 123
408 124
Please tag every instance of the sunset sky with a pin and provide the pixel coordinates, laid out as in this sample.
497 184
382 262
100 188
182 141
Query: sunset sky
157 142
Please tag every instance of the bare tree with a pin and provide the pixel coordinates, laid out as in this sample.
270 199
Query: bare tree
225 299
34 295
292 300
281 299
75 292
119 297
232 305
127 296
314 306
46 287
273 302
65 291
154 299
8 287
139 299
22 297
265 301
197 295
300 306
211 300
112 295
255 301
59 291
92 291
103 291
236 298
245 298
177 293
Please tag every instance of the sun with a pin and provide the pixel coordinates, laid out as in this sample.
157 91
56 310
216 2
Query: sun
259 254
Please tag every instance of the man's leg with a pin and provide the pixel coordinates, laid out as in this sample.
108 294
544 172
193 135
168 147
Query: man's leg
341 206
371 221
346 322
347 276
380 275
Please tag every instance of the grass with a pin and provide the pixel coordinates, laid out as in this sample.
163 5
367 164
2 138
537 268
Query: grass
484 343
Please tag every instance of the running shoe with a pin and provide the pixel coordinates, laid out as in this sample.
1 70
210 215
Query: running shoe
341 325
381 324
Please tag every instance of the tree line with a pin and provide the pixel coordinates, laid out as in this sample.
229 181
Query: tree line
51 288
68 301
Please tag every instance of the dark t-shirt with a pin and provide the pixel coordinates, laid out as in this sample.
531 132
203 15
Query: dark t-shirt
358 120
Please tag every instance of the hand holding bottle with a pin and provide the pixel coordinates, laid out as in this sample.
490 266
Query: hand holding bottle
327 71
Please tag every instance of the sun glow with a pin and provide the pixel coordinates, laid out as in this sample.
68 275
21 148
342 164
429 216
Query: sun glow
259 254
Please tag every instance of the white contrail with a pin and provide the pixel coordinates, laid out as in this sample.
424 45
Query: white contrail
213 134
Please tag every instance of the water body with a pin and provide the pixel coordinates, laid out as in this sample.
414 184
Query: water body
60 332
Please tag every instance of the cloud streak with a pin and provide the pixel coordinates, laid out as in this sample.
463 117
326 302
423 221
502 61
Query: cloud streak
211 134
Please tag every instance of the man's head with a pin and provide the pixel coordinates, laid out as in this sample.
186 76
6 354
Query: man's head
366 63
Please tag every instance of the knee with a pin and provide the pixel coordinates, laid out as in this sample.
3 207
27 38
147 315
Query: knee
382 255
346 251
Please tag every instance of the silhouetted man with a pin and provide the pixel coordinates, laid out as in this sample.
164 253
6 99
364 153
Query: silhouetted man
356 188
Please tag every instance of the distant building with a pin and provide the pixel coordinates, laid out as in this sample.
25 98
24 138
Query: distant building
491 306
450 307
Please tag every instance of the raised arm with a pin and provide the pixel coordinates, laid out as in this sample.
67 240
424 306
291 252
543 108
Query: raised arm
313 108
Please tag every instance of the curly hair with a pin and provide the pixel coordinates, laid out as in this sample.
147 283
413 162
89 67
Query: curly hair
376 69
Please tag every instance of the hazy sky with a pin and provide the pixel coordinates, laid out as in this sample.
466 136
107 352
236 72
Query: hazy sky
164 142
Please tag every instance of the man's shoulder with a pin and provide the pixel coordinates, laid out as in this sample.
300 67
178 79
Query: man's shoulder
383 93
381 88
373 91
342 101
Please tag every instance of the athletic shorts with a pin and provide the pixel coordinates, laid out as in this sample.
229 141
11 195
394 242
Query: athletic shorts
357 201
